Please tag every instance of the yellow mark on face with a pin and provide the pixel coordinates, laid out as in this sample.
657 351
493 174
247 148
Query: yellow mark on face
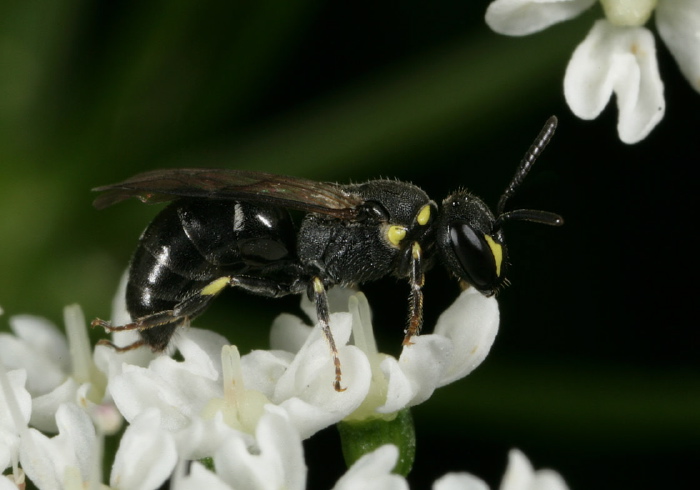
423 215
497 251
318 285
395 234
416 250
215 286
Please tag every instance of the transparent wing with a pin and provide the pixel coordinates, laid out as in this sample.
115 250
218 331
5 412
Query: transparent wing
288 192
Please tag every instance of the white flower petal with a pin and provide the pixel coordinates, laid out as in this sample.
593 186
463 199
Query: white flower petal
522 17
306 389
137 389
76 436
46 460
313 358
17 381
373 472
315 404
459 481
202 351
262 368
289 333
180 390
111 362
278 461
120 315
240 469
471 323
424 364
8 447
400 390
40 460
521 476
15 410
678 22
146 456
104 415
620 60
43 336
40 348
45 406
280 442
198 478
462 339
7 484
203 437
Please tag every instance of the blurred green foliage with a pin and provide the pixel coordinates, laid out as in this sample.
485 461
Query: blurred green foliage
93 92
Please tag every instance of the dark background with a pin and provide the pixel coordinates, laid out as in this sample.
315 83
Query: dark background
595 369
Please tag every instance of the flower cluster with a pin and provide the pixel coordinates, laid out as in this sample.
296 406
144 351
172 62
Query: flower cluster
618 55
214 418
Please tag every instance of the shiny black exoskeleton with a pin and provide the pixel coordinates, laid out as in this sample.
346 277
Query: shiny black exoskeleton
233 228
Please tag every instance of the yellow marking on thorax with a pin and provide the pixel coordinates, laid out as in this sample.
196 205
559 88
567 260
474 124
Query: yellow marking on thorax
497 251
215 286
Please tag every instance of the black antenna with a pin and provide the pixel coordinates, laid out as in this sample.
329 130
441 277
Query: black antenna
543 217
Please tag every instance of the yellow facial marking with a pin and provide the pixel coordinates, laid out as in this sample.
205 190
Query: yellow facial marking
395 234
215 286
497 251
318 285
423 215
416 251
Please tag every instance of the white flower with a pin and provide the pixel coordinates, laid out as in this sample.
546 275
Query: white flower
212 378
275 459
71 456
620 60
302 381
15 410
72 460
678 23
461 340
10 482
58 371
373 471
618 55
146 456
178 389
519 476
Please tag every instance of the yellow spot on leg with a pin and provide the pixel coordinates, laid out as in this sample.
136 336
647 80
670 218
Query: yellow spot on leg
215 286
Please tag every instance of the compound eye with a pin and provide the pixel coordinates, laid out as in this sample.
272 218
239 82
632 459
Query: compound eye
478 255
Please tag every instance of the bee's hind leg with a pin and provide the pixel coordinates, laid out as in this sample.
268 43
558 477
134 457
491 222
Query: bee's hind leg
157 328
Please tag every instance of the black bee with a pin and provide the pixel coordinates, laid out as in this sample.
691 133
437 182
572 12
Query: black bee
233 228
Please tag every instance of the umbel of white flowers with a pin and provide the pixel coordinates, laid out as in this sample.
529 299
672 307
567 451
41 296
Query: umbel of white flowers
618 55
247 414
